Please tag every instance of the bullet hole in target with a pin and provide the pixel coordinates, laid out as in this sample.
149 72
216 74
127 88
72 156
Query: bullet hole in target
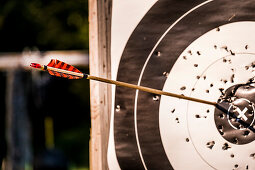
165 74
198 53
177 120
210 144
247 167
231 52
197 116
235 140
204 77
246 87
193 89
221 116
207 111
225 146
155 98
225 81
222 91
158 53
232 155
218 29
232 78
252 155
236 166
211 85
220 128
250 113
190 52
117 108
187 139
185 57
225 48
246 133
251 80
207 91
183 88
224 60
246 47
215 46
195 65
253 64
173 110
198 77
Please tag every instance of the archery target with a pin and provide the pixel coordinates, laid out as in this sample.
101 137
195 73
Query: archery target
194 48
204 62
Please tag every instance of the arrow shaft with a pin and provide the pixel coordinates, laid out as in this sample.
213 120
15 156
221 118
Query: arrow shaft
150 90
71 71
123 84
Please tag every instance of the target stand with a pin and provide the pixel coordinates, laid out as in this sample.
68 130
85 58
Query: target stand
201 49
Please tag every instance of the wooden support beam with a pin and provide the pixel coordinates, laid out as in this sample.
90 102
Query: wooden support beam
100 65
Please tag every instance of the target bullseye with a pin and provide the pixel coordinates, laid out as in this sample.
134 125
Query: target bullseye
242 109
241 114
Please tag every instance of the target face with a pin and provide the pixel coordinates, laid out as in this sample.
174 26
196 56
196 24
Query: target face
195 48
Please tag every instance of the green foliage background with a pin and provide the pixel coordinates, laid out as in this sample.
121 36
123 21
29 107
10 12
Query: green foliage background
44 24
52 25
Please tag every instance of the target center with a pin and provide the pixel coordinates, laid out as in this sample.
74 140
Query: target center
235 125
243 109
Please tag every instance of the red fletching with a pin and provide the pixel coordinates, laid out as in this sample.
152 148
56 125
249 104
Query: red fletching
35 65
61 65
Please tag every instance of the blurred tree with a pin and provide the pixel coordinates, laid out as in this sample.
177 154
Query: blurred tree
2 116
51 25
18 126
45 24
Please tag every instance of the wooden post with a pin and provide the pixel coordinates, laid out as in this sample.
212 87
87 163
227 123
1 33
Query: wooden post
100 65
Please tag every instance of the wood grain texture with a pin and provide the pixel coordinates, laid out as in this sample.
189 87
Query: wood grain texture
100 65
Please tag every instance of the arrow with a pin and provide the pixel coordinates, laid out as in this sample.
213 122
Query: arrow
61 69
